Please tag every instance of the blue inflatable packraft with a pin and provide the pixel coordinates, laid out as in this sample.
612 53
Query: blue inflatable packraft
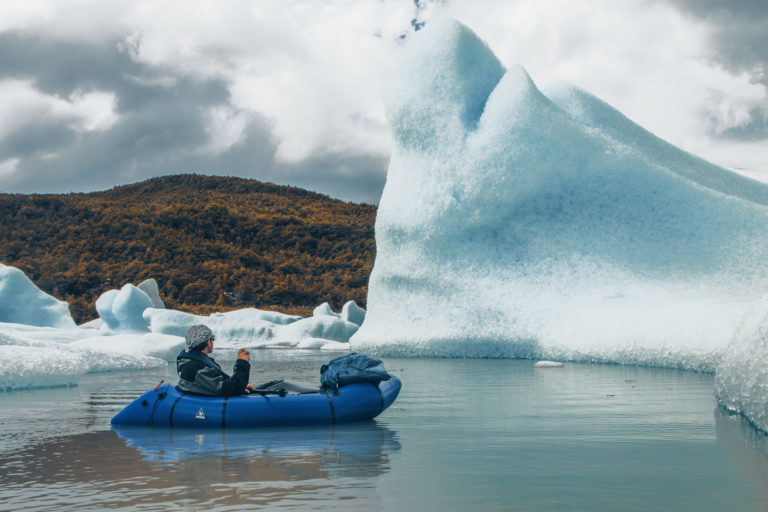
167 406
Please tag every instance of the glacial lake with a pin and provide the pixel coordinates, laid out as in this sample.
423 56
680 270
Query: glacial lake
480 435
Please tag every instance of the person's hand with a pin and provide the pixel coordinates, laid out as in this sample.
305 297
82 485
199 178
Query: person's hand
244 355
249 387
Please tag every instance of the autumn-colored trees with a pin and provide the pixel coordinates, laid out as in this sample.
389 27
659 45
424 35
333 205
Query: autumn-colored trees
212 243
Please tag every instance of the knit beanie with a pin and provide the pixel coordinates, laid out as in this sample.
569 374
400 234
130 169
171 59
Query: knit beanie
198 335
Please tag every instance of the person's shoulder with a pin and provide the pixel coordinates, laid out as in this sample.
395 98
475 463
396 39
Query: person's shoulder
190 368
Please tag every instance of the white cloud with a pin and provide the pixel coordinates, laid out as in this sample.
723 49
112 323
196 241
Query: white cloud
225 128
317 69
8 167
314 69
22 104
80 20
93 111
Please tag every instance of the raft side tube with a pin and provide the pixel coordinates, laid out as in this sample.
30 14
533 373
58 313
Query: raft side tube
364 401
142 410
168 407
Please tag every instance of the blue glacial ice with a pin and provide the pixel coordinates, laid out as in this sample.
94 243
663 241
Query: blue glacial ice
122 310
40 345
23 302
741 381
516 223
259 328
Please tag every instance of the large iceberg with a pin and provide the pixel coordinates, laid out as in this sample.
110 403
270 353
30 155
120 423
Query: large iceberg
24 303
515 223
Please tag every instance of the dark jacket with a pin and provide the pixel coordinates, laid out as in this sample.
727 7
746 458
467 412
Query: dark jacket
201 375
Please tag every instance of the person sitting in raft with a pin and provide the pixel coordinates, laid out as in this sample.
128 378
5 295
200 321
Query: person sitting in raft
199 374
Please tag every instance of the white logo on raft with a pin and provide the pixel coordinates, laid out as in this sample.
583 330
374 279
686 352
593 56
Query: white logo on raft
200 414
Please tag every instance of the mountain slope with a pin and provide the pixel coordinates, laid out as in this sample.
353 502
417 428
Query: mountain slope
213 243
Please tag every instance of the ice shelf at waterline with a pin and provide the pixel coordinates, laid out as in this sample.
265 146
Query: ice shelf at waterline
521 223
40 345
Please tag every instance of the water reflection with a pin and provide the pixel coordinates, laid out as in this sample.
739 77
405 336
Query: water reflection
155 468
748 448
360 448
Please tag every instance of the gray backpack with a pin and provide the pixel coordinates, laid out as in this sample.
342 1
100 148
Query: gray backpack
352 368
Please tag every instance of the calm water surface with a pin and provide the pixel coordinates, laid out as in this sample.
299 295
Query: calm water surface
481 435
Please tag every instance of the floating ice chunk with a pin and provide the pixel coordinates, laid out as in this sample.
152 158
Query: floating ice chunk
322 344
31 335
104 309
547 364
233 326
33 367
741 380
110 361
329 328
335 345
95 324
160 346
128 307
512 225
168 321
150 288
324 309
24 303
35 357
351 312
122 310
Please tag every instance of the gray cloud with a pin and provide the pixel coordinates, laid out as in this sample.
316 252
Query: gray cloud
754 130
357 178
161 128
739 41
740 30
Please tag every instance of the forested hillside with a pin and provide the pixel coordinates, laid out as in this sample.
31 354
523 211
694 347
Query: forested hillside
212 243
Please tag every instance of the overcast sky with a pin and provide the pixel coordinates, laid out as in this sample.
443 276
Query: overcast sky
100 93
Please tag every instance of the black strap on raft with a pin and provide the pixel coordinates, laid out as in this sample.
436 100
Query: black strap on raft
170 416
280 392
333 411
160 396
224 413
